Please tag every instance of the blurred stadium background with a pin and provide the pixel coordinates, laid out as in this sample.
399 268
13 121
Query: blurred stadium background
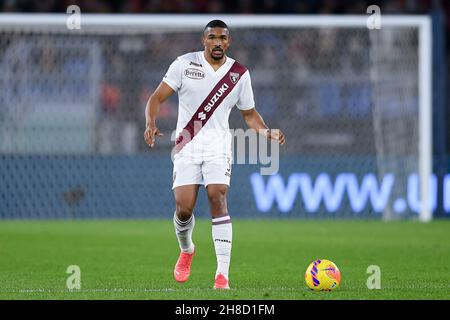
72 112
350 100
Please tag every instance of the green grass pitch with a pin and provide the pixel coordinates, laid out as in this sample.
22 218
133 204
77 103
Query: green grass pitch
134 259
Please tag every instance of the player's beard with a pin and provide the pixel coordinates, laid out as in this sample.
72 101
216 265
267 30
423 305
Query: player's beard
217 57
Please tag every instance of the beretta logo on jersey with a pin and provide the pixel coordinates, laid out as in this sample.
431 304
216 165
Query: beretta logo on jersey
194 73
234 77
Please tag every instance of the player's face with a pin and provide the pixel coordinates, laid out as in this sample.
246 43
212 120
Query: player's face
216 42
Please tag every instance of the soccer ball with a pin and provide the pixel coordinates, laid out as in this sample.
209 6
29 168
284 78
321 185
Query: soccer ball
322 275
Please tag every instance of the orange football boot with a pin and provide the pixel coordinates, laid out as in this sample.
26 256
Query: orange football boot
182 269
221 282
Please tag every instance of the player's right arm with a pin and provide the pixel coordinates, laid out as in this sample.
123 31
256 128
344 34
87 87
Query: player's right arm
161 94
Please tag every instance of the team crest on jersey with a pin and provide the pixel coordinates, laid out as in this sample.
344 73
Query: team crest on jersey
234 77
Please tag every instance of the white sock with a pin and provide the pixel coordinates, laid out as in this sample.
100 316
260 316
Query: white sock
222 233
183 230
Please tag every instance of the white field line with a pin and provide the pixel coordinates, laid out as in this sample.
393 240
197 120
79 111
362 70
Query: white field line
168 290
120 290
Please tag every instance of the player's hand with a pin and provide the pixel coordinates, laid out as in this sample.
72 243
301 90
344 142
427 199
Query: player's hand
150 134
276 134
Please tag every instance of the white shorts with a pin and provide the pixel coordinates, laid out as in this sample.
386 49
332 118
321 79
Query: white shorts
194 170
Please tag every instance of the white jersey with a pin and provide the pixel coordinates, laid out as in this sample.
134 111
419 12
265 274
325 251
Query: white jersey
194 78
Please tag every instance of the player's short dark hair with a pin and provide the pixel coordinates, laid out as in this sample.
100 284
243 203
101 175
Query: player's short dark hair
216 24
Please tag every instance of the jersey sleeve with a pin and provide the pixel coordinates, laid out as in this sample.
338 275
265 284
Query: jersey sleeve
173 75
246 100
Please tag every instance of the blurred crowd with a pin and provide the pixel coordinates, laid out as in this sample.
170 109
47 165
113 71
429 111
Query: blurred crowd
233 7
125 86
222 6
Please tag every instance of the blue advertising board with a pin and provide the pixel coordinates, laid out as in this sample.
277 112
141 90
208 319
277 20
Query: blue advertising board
80 187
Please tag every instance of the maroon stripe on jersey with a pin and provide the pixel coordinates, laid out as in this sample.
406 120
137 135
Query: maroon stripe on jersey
210 104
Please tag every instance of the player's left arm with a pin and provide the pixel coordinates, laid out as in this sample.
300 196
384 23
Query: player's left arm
256 122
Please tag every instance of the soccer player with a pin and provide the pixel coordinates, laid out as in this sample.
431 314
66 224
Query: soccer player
209 85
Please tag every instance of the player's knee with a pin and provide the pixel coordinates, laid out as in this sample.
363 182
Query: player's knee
184 212
217 201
